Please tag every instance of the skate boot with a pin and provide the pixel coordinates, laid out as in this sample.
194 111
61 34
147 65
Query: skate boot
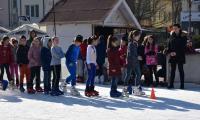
59 92
74 91
88 92
63 87
12 85
31 91
94 92
21 88
54 93
138 91
115 93
130 90
125 92
39 89
4 84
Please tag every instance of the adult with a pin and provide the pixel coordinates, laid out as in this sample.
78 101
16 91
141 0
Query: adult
176 49
33 34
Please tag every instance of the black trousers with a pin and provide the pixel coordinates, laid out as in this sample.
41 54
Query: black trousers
152 70
6 66
173 72
35 74
56 76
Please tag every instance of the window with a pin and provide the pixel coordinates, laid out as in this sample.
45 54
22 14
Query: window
36 10
14 3
32 11
27 8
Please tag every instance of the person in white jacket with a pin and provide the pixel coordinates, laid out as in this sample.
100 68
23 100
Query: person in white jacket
91 58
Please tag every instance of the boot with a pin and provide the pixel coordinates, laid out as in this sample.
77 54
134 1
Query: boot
21 88
115 93
39 89
88 91
94 92
74 91
30 90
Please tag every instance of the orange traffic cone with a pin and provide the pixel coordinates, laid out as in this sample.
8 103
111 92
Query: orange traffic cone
153 96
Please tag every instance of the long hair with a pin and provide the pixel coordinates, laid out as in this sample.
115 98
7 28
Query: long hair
133 34
148 44
111 39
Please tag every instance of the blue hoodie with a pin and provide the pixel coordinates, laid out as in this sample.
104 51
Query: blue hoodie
72 53
101 51
46 55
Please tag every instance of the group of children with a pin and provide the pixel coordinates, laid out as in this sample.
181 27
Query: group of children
124 59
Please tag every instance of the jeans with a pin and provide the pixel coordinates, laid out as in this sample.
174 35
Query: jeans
72 70
114 80
136 69
47 80
173 72
91 75
152 69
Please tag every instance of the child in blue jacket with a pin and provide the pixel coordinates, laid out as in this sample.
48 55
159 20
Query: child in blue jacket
46 63
71 62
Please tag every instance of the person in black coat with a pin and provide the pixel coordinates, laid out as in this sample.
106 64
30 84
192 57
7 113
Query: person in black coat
176 49
46 63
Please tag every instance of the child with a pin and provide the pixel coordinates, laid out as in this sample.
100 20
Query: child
101 55
71 60
91 66
114 67
22 61
35 66
57 55
151 51
83 50
32 36
6 58
46 63
14 65
133 64
122 54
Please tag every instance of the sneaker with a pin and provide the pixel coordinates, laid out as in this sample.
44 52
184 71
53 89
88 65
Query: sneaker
115 93
31 91
125 92
39 89
74 91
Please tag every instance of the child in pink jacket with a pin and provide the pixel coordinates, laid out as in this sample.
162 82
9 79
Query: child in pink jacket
151 51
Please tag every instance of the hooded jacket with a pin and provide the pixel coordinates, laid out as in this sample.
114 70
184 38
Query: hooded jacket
46 55
34 56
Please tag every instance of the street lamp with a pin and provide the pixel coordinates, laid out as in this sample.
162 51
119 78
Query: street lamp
54 19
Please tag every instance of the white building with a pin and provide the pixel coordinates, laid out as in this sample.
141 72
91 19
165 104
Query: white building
11 10
195 15
88 17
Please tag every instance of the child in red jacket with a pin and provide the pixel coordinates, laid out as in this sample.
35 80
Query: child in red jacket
123 54
114 68
6 59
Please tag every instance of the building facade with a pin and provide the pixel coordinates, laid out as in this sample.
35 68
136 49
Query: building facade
195 16
16 12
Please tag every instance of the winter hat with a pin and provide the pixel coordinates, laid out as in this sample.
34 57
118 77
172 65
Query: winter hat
79 38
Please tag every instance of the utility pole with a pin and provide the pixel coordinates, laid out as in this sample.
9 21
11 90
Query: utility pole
190 17
54 19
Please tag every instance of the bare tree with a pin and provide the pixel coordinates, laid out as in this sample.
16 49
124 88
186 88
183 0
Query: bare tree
146 9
